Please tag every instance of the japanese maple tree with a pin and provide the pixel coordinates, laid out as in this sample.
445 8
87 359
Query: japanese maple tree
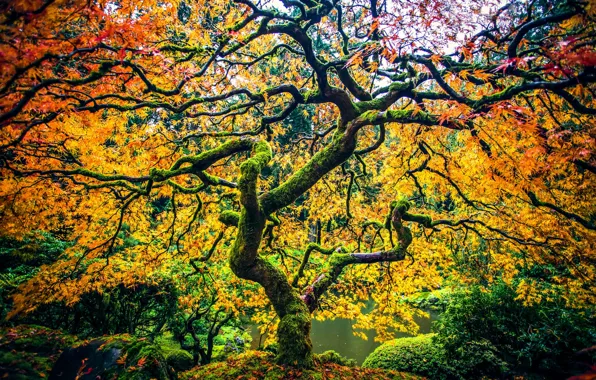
371 147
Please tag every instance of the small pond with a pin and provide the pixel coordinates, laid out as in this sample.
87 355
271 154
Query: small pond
337 335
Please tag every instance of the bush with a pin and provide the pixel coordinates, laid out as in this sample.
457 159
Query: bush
272 348
418 355
474 360
536 339
436 300
180 360
425 356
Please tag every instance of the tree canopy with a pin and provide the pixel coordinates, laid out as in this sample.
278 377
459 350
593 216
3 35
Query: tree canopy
301 157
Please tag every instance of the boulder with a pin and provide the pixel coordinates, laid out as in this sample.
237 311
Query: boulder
87 361
112 358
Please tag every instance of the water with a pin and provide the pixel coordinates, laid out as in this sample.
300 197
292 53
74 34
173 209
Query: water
337 335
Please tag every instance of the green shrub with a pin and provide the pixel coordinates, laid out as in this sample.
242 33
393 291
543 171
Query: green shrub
272 348
418 355
424 356
474 360
532 339
435 300
180 360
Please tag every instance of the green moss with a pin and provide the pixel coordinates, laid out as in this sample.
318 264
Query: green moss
398 86
403 205
374 223
339 260
364 107
260 365
274 220
252 167
229 217
143 360
504 94
321 163
261 155
331 356
203 160
417 116
161 174
293 335
369 115
29 352
310 94
180 360
425 220
167 343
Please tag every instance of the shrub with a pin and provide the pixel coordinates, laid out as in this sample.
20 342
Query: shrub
418 355
538 339
425 356
272 348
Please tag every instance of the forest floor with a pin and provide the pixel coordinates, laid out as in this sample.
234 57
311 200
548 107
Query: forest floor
29 352
254 365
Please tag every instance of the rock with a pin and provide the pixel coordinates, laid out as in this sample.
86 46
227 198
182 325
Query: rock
180 360
87 361
29 351
112 358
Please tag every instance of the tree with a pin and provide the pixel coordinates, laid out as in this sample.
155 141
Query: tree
163 122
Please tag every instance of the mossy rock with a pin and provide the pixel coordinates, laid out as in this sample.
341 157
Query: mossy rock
121 357
85 361
140 360
29 352
180 360
331 356
418 355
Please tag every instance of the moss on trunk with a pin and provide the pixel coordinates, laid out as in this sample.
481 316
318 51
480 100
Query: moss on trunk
293 334
295 347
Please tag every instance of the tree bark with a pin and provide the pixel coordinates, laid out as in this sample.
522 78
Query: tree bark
295 347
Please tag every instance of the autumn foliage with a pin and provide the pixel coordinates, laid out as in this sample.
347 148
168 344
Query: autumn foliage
332 152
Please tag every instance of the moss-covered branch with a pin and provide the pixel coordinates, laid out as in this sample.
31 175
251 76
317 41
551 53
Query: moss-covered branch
323 162
309 249
338 261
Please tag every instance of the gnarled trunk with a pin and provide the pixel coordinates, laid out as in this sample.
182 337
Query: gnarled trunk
293 332
295 347
293 335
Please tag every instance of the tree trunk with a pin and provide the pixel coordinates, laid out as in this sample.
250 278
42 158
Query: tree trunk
293 335
295 347
293 332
